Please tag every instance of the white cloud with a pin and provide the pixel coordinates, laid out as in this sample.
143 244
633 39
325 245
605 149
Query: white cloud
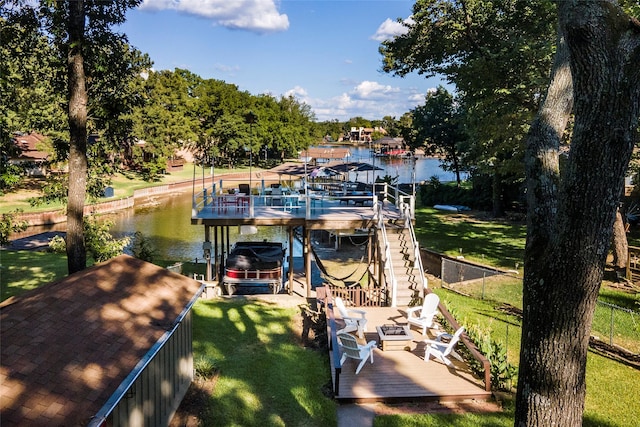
260 16
373 90
298 92
390 29
368 99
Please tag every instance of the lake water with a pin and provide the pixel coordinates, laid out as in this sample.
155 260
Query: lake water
403 168
166 220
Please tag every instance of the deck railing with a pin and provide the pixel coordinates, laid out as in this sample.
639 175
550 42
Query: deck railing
325 297
362 297
225 196
464 339
387 264
406 210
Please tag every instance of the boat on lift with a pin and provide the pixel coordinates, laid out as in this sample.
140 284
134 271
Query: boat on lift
254 267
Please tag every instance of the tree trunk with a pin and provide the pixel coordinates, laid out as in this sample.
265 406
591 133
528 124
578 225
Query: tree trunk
619 246
77 95
570 216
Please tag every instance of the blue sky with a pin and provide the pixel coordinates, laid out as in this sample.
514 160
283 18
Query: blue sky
324 52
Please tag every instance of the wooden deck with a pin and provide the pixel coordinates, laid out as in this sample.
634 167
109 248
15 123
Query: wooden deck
403 375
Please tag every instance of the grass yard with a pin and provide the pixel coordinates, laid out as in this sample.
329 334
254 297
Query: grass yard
266 377
502 419
495 243
608 401
21 271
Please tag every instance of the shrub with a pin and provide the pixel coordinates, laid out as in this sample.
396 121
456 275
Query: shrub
8 225
142 247
502 372
100 244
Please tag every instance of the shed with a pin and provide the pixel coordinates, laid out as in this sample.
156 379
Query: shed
110 345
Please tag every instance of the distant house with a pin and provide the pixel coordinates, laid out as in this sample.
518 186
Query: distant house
110 345
362 134
27 153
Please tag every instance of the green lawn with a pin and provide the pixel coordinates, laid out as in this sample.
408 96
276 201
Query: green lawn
266 378
21 271
496 243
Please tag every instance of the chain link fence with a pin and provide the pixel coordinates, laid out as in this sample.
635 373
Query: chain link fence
614 325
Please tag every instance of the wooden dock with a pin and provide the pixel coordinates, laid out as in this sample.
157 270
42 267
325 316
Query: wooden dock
403 375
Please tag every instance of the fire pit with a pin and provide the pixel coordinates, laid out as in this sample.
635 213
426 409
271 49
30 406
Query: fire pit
394 337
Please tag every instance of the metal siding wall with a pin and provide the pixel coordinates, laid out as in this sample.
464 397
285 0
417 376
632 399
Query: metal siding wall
157 392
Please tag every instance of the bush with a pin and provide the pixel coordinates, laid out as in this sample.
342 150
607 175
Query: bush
8 225
435 192
100 244
502 372
142 248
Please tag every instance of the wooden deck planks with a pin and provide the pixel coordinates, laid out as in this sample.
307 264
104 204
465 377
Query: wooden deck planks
404 375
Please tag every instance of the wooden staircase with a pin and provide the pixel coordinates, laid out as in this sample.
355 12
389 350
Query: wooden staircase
405 269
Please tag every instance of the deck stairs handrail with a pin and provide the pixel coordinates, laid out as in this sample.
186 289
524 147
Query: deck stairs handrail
325 297
406 211
388 264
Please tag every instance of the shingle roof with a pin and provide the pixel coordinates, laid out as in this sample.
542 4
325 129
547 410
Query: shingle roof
65 347
28 146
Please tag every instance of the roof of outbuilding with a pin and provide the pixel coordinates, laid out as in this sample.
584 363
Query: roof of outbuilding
27 145
68 345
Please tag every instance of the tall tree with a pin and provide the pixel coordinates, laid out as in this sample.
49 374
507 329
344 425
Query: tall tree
439 127
167 120
78 44
78 100
572 210
497 54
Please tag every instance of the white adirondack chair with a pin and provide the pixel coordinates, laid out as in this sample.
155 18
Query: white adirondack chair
351 349
354 320
442 350
423 315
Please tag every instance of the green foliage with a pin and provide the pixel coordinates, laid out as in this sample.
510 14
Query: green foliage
502 372
142 247
8 225
10 177
498 55
58 245
438 126
204 366
435 192
101 245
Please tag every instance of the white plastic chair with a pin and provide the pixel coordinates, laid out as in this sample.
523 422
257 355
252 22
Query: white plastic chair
442 350
354 320
351 349
423 316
